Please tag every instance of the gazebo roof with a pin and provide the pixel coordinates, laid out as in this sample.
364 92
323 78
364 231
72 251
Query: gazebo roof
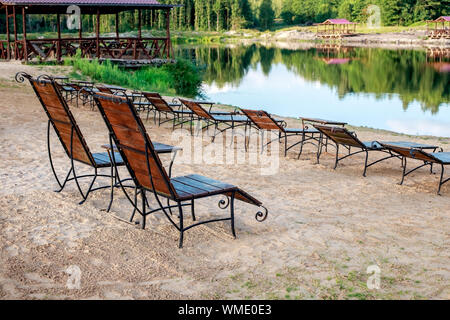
87 6
442 19
337 21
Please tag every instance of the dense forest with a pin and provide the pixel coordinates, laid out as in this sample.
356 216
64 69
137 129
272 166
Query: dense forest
218 15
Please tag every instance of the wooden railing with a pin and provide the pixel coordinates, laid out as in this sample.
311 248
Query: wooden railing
439 34
3 49
334 34
115 48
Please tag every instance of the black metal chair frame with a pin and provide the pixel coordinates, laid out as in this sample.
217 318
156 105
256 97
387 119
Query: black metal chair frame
282 134
82 91
432 160
145 209
375 146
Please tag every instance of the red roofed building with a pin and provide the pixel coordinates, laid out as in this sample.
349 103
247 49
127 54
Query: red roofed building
17 46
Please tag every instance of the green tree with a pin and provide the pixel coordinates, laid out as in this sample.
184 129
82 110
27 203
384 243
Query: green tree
266 14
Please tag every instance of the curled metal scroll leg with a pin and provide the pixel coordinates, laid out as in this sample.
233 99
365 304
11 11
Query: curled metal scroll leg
261 216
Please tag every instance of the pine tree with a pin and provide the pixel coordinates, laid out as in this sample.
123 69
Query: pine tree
266 14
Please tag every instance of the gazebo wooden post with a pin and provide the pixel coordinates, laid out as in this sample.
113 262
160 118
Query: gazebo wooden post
117 26
8 40
58 44
98 34
24 31
80 29
139 24
15 33
168 42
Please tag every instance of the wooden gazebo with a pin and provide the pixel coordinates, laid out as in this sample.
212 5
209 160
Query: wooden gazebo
18 46
335 28
440 29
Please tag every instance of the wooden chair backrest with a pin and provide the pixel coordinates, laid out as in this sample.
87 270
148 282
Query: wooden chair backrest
340 136
75 86
134 144
412 153
62 120
197 109
262 120
104 89
157 101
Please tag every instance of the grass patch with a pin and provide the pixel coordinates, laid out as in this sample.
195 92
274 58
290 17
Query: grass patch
181 77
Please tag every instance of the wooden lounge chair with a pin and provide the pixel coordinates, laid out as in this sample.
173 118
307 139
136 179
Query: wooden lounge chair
149 175
231 120
428 158
104 89
264 121
81 90
342 137
161 106
140 106
61 119
69 134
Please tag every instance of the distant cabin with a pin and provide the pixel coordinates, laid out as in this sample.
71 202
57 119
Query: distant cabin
336 29
440 28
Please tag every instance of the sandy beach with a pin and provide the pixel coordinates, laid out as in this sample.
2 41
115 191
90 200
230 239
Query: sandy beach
325 227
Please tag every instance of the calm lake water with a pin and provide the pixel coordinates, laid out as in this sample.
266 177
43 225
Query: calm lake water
405 91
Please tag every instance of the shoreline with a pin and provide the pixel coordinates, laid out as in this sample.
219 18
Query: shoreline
405 39
66 70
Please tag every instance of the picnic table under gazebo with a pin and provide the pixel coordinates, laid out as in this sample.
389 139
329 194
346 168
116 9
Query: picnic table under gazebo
335 28
440 29
20 46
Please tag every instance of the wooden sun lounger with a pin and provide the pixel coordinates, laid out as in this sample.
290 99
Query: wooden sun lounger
342 137
231 120
428 158
161 106
149 175
263 121
69 134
